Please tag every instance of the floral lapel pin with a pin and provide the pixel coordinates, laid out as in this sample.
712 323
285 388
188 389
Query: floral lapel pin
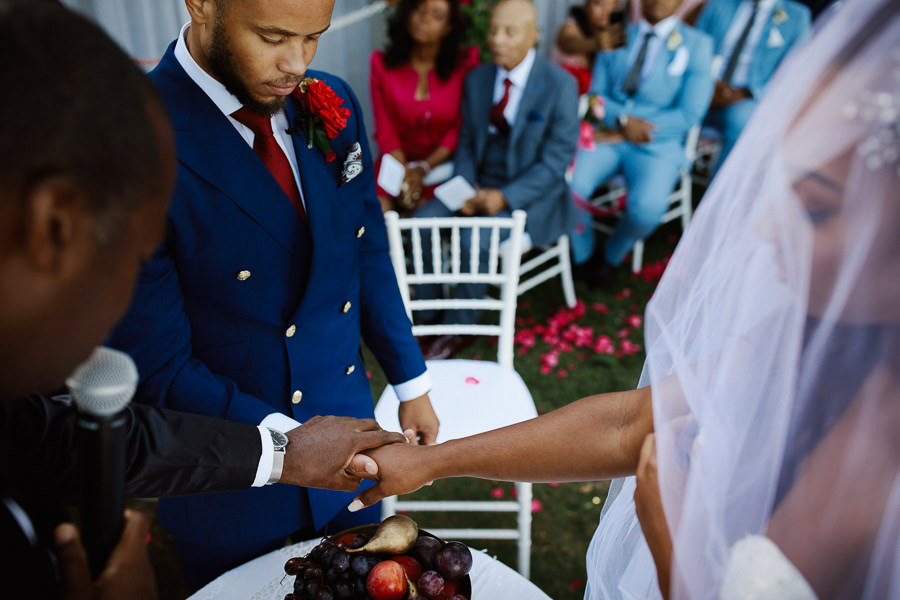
352 163
779 17
674 40
322 115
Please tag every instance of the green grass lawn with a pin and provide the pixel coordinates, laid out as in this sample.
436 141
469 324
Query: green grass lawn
567 513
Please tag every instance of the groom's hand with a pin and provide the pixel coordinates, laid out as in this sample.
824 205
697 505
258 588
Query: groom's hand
401 469
417 416
326 452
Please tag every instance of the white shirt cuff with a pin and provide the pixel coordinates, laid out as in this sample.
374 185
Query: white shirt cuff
278 422
412 389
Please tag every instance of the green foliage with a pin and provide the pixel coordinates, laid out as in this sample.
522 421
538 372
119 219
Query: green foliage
478 13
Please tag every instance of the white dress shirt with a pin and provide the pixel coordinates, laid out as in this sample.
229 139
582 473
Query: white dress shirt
226 102
741 74
661 32
519 77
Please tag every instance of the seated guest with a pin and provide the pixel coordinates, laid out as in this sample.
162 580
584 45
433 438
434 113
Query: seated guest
654 90
86 175
592 27
416 86
751 38
518 134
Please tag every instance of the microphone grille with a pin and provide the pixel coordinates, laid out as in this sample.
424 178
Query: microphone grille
104 383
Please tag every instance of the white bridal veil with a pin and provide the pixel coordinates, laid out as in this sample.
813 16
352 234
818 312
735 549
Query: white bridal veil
773 348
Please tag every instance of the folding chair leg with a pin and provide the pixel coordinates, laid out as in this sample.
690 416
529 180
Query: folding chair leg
566 274
637 257
523 491
388 507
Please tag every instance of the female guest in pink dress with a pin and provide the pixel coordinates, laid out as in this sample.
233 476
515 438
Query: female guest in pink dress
416 86
593 27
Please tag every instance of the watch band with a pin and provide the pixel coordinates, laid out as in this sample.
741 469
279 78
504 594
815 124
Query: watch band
277 466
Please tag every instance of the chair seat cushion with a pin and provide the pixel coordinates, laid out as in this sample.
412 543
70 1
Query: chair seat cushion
469 397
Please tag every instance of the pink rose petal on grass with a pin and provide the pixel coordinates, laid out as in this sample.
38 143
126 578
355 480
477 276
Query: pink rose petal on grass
536 506
600 308
634 320
562 374
624 332
546 369
604 345
629 347
574 585
368 374
623 294
471 380
553 484
497 493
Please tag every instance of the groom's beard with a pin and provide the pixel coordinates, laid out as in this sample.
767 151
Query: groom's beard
224 67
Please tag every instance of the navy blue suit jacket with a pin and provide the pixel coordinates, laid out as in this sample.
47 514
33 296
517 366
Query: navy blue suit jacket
208 341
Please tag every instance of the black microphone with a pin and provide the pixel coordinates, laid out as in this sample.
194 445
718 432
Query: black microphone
102 387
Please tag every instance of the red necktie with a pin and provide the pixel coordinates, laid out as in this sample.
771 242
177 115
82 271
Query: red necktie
497 118
271 154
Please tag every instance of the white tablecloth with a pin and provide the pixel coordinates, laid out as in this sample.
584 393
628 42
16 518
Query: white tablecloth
263 579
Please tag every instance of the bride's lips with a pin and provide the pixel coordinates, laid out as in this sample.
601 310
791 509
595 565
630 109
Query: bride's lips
281 90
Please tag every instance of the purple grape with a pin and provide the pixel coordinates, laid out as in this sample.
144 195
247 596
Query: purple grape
343 591
341 562
292 566
360 565
431 583
324 594
358 542
453 560
312 572
424 550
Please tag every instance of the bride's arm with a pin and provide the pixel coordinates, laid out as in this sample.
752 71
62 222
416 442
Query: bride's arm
598 437
649 509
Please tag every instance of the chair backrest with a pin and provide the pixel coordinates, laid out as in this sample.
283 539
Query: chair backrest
501 269
690 145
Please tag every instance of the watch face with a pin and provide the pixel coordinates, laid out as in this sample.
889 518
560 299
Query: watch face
279 439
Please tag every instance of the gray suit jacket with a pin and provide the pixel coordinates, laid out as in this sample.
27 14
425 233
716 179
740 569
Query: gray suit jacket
542 143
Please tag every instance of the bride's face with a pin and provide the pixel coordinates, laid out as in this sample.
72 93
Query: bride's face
855 257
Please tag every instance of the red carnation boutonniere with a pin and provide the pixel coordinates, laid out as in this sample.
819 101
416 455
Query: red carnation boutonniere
322 114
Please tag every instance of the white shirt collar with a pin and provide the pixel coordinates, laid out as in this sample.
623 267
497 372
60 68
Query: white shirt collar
662 29
766 4
519 74
221 97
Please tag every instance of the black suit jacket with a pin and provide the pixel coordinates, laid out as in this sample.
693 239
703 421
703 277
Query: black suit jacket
168 453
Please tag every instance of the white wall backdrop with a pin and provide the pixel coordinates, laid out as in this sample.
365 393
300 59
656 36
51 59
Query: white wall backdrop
145 28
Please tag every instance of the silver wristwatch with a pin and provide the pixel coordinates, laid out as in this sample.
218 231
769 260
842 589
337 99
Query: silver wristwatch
623 120
279 443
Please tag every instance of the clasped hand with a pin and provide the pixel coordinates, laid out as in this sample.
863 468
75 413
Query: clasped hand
487 202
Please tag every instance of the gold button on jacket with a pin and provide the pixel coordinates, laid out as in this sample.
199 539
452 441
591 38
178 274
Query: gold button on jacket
349 369
291 331
297 397
346 307
243 275
360 232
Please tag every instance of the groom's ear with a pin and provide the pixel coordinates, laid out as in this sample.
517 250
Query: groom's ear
203 12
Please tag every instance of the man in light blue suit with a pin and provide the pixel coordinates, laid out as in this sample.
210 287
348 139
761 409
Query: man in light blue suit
275 265
751 39
654 90
518 135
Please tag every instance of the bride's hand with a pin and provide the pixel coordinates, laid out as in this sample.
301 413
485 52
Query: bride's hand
649 509
402 468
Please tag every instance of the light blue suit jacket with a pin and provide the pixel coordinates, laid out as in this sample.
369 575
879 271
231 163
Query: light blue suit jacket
793 27
206 341
541 145
673 95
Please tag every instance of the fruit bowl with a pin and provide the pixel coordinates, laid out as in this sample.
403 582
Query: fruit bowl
351 564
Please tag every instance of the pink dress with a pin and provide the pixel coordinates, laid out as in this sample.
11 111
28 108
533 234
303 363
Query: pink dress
418 127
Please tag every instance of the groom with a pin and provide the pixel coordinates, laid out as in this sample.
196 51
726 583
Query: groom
274 266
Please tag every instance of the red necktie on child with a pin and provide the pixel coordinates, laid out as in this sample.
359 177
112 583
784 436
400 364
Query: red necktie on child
497 118
271 154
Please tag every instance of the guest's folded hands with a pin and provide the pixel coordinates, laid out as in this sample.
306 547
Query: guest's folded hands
638 131
325 452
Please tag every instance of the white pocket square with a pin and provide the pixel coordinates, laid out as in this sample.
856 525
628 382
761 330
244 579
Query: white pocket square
776 40
352 163
679 62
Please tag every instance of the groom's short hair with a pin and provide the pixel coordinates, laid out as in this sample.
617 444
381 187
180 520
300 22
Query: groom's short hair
74 104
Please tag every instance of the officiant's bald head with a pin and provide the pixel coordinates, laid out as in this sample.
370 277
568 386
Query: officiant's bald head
87 169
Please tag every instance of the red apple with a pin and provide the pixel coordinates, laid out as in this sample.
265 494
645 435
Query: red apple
342 541
410 565
386 581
